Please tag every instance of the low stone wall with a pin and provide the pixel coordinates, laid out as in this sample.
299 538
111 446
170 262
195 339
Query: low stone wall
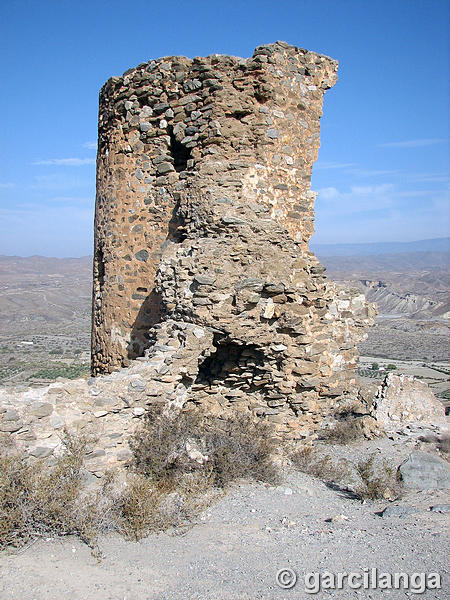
109 408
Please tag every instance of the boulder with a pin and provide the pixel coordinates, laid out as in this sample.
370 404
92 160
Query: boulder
401 400
422 471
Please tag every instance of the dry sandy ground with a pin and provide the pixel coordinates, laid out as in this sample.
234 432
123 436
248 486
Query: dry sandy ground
235 551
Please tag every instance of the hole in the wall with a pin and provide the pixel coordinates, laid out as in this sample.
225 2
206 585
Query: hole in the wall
100 265
232 365
240 114
176 231
179 152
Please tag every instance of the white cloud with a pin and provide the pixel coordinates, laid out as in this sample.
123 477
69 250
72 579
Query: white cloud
6 186
371 172
333 165
329 193
413 143
66 162
92 145
430 178
358 193
359 199
62 184
352 169
369 190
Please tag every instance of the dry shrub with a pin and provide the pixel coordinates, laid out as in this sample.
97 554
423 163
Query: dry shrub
441 443
373 481
137 508
308 460
343 432
144 506
233 447
168 489
41 501
376 481
37 500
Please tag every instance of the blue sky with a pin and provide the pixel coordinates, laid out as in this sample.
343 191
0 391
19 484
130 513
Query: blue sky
382 169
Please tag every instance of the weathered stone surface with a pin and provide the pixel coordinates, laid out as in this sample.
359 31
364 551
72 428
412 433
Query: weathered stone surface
424 471
177 147
41 409
10 426
220 233
401 399
41 452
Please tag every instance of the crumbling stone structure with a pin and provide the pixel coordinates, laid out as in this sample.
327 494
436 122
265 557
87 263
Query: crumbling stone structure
202 268
203 218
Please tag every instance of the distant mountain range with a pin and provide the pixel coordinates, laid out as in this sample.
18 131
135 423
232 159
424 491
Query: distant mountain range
375 248
402 262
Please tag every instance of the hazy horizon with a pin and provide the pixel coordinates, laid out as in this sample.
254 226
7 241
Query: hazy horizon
442 244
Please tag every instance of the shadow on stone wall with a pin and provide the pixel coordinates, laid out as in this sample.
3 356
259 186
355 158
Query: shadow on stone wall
149 314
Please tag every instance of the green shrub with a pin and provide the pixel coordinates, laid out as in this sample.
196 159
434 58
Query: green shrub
57 369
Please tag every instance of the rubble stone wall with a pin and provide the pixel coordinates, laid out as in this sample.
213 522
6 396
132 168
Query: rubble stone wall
216 135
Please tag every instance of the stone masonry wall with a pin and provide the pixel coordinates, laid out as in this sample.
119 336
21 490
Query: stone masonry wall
210 135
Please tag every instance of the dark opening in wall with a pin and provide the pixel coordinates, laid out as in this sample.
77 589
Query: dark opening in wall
179 152
100 267
233 365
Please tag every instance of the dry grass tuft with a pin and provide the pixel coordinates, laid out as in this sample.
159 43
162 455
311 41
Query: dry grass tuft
308 460
377 482
168 488
365 480
36 500
343 432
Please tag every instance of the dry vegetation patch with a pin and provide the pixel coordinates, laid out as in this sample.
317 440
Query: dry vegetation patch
221 449
367 479
180 463
343 432
377 481
37 500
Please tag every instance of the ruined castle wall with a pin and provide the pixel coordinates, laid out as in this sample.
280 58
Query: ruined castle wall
180 143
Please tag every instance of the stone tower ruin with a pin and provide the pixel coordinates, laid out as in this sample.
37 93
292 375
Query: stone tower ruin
203 217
